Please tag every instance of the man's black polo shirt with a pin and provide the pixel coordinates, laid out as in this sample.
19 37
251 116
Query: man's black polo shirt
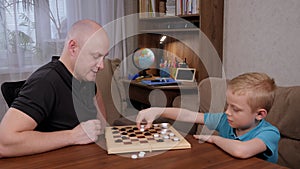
56 100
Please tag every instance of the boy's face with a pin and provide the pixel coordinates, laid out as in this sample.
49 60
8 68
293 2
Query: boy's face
239 113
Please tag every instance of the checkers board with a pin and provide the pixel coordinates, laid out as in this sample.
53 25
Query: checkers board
125 139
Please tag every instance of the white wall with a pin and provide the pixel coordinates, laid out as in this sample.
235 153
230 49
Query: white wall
263 35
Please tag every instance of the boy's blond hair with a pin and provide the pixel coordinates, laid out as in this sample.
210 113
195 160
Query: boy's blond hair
259 88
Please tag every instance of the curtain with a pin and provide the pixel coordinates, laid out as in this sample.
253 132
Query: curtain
31 34
109 11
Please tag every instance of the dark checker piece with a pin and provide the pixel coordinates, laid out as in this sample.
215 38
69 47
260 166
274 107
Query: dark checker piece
132 135
147 134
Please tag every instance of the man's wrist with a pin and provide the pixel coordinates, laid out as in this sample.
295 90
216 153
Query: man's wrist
70 135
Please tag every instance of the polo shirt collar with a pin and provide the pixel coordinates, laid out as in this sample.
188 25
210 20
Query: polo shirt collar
246 135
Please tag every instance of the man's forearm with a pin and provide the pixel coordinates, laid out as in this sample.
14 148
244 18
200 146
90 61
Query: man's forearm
32 142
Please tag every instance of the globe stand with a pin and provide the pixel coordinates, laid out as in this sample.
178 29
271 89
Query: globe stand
144 73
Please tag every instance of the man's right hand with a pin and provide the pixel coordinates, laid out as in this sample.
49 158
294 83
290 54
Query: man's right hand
86 132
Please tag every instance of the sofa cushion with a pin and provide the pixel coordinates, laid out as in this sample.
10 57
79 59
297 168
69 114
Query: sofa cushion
285 112
212 92
190 102
289 153
285 115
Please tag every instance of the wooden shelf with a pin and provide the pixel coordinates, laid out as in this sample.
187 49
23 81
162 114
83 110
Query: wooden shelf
188 15
209 21
169 24
170 17
187 30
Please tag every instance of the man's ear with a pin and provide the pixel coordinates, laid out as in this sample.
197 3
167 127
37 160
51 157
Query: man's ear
72 46
261 114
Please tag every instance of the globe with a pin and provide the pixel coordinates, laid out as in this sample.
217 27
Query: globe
143 58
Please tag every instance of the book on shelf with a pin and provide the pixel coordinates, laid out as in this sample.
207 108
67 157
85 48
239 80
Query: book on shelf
187 7
170 7
151 8
162 7
147 8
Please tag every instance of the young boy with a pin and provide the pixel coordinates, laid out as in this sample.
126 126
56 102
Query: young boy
243 132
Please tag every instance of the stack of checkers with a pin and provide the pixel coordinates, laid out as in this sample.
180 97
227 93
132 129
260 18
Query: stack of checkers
125 139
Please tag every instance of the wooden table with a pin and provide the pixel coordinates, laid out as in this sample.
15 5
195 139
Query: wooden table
201 155
140 92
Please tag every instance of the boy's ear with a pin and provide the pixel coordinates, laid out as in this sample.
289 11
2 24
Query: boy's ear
261 114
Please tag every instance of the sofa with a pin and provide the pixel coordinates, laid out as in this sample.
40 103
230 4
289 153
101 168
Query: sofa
284 114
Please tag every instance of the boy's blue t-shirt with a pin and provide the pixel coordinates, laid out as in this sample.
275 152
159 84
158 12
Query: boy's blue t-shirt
264 131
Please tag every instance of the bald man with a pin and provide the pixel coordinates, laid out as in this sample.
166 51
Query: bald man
56 107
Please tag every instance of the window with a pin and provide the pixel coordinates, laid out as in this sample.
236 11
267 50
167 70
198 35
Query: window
28 32
58 18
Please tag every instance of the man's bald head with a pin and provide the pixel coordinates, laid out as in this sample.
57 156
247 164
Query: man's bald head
85 47
82 30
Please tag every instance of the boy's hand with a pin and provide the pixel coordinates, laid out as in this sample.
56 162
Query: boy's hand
205 138
148 116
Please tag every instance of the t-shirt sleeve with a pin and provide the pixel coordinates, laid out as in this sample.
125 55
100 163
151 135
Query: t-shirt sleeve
214 121
36 99
270 137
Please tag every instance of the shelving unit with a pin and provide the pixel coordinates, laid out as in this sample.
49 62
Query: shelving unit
208 20
169 23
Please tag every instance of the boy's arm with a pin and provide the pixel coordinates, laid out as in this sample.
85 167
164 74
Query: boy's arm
236 148
19 138
150 114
